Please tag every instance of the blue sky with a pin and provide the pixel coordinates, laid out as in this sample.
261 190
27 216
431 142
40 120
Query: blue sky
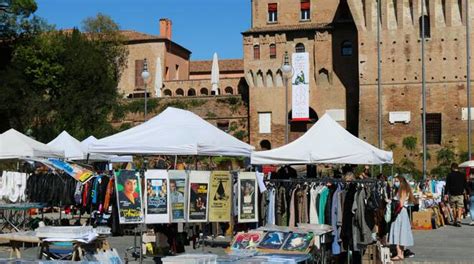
202 26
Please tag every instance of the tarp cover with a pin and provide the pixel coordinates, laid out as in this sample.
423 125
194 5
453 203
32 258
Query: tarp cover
173 132
72 148
325 142
15 145
102 157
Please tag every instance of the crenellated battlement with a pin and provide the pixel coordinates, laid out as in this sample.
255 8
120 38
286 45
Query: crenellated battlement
405 14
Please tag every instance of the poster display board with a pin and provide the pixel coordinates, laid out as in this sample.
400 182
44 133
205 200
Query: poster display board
220 196
198 196
247 197
157 202
129 193
178 195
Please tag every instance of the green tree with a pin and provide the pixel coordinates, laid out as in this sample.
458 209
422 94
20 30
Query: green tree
19 20
62 81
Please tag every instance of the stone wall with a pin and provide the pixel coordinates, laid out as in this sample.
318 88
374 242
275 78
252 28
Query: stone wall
401 76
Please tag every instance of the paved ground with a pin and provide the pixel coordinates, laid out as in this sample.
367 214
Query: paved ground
445 245
448 244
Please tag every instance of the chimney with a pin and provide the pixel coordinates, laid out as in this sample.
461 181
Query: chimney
165 28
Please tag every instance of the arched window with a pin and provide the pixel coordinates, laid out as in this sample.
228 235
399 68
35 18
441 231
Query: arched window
265 145
346 48
273 51
426 20
179 92
191 92
204 91
229 90
299 48
256 52
167 92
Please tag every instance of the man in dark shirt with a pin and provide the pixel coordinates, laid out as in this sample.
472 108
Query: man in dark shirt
455 186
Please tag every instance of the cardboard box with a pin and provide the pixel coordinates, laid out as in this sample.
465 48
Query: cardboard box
422 220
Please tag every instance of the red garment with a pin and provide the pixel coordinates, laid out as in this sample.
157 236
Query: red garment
108 194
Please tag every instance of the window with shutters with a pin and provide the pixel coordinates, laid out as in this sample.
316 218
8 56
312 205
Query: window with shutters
433 128
273 51
305 10
256 52
272 12
139 84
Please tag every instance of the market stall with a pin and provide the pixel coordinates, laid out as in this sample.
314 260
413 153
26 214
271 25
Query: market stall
337 203
173 132
177 196
326 142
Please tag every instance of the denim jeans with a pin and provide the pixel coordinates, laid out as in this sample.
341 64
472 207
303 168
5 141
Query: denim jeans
471 206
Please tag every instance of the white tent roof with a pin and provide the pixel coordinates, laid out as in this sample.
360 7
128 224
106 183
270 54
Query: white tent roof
101 157
173 132
72 148
325 142
14 145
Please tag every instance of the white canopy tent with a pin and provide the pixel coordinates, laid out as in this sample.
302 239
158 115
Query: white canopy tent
325 142
15 145
101 157
173 132
72 148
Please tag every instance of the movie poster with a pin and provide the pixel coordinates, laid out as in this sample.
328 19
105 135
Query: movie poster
220 202
198 196
127 184
157 201
178 195
247 197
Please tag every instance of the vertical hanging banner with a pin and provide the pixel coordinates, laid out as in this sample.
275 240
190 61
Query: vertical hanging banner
178 194
157 202
247 200
198 196
220 202
300 87
129 193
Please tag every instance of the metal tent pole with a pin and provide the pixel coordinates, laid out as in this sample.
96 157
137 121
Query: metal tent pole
423 85
379 79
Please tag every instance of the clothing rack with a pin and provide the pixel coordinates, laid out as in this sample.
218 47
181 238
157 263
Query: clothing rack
322 180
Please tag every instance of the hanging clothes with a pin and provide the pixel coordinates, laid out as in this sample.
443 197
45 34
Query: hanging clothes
281 207
313 213
271 206
322 204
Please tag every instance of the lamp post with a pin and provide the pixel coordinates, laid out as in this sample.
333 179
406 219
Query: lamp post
145 76
287 70
468 77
